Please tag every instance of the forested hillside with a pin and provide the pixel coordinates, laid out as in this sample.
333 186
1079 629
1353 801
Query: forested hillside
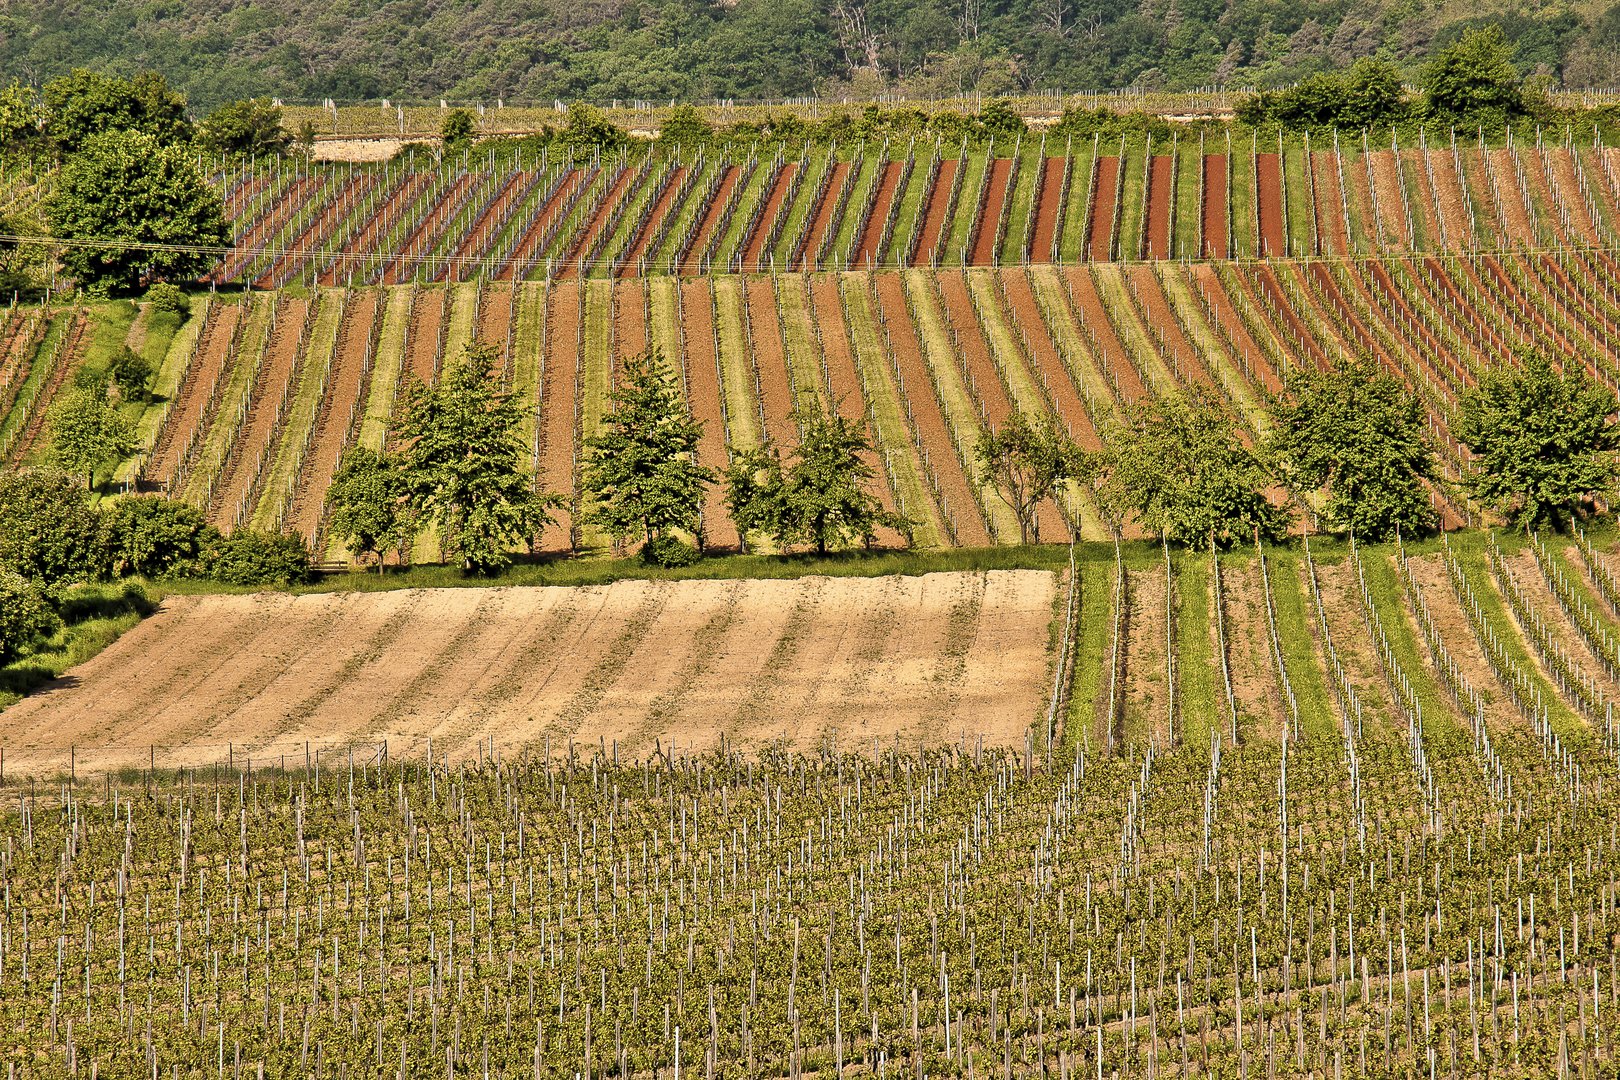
221 50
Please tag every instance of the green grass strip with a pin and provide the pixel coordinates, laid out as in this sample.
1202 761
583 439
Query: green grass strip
1072 347
803 359
1203 697
1020 205
664 311
1132 224
891 433
1090 678
911 206
1443 729
736 374
1073 243
960 228
1184 238
1241 219
387 363
1211 349
871 167
170 369
1307 671
463 315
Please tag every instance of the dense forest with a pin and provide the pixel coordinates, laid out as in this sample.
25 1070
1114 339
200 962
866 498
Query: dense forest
221 50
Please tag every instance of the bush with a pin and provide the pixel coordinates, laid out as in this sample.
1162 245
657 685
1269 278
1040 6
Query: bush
153 536
131 373
26 615
669 552
165 296
253 558
48 530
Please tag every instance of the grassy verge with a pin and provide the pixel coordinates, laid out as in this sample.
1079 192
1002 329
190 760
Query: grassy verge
169 370
959 228
1021 204
1318 714
736 375
1073 242
911 205
664 311
1241 209
794 303
385 374
93 618
1184 238
1132 224
1090 681
1296 165
463 315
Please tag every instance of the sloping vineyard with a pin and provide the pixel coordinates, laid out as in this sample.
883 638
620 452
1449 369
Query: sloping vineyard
652 211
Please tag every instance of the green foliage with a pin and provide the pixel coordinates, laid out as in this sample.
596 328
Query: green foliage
247 127
254 559
154 537
641 470
685 127
820 497
1184 474
463 459
126 188
670 552
131 373
997 119
20 119
370 501
85 104
48 530
1543 439
458 130
588 129
166 296
1359 434
1473 80
88 431
26 615
1368 95
1026 462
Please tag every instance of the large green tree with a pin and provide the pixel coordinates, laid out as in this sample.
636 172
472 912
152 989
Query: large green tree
464 462
1544 440
49 532
26 615
1473 80
821 496
371 505
128 207
1026 460
1357 434
641 471
84 104
88 431
250 126
1179 467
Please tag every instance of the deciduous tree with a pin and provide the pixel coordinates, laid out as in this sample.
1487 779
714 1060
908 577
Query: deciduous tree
463 460
1026 461
251 126
1544 440
84 104
1358 435
370 504
87 431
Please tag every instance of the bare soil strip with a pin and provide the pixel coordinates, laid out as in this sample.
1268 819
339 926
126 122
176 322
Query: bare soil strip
934 212
856 661
1215 206
1268 204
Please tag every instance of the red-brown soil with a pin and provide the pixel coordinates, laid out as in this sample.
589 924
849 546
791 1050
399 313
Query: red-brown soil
1093 315
1538 180
1226 314
1216 204
631 329
1160 197
1449 198
822 219
1156 308
753 249
367 238
1560 163
262 231
528 245
988 227
926 411
934 212
766 352
1359 196
559 368
1392 213
1425 199
316 234
337 418
585 239
1048 210
1268 204
866 248
711 216
192 399
254 441
1100 244
1329 204
1060 387
425 237
704 402
463 264
649 228
972 352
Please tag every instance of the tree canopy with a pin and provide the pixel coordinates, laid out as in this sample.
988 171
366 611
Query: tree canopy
641 470
1180 468
126 188
464 462
370 504
88 431
85 104
1544 440
251 126
1026 461
1358 435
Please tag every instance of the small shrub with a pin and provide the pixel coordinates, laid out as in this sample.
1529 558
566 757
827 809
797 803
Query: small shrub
254 558
670 552
153 536
168 297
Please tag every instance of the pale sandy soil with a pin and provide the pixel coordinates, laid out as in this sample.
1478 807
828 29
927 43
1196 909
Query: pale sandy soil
801 664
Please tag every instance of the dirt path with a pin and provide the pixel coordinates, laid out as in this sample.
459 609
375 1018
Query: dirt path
753 249
933 212
1100 244
254 442
1268 205
1329 204
710 216
187 413
765 344
1048 210
1216 205
923 660
1161 197
987 228
888 190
